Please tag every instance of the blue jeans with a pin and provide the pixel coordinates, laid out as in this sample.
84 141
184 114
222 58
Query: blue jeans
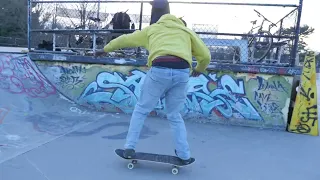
172 83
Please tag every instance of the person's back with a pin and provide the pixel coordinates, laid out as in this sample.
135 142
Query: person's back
169 36
166 40
171 46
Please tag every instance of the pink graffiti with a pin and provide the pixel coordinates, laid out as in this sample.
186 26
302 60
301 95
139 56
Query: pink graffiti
18 76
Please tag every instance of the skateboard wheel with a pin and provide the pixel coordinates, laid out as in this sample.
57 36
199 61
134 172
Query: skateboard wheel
134 161
175 171
130 166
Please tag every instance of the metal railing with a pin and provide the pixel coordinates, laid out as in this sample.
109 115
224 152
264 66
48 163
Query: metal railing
259 46
13 41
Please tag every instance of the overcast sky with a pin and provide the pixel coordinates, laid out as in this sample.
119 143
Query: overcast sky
233 19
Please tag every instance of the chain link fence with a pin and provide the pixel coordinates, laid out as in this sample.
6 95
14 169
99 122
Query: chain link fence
13 42
234 33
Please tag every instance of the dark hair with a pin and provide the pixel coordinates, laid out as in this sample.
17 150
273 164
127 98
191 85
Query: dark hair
184 22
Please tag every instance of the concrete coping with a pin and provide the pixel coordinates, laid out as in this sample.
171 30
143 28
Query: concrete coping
245 68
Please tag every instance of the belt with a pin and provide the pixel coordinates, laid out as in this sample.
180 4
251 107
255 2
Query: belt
168 59
173 62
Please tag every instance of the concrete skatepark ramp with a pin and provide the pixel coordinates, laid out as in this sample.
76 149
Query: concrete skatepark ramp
113 85
32 111
47 132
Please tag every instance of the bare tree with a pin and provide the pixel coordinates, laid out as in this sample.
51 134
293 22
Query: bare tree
78 14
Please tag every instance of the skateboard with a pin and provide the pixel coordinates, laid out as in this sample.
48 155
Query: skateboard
158 158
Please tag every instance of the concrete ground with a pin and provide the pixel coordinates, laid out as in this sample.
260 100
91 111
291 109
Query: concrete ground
221 152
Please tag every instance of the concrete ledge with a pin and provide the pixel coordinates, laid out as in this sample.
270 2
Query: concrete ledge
291 71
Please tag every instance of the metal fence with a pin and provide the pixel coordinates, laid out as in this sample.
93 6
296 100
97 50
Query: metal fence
234 32
12 41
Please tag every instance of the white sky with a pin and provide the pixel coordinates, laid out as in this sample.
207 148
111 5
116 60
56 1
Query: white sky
232 19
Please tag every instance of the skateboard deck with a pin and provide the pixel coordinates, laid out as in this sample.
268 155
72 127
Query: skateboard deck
158 158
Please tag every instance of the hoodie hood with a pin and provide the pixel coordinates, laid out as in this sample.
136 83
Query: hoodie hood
159 3
170 20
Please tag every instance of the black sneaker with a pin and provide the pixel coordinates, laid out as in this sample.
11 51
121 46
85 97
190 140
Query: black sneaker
185 162
129 153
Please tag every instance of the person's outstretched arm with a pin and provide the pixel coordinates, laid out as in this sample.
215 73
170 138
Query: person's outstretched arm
201 52
136 39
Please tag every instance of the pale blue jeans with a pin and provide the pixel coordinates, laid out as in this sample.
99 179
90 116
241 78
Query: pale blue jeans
172 83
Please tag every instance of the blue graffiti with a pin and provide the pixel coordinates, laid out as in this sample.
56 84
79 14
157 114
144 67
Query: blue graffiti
122 91
228 98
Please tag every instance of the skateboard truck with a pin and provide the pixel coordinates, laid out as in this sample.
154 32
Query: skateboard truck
174 170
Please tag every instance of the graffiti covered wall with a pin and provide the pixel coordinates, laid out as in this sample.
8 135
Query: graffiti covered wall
305 114
19 76
224 97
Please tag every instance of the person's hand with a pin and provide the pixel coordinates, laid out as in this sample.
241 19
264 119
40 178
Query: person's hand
99 53
195 73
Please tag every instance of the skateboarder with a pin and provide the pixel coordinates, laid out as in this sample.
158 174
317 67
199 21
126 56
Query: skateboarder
171 45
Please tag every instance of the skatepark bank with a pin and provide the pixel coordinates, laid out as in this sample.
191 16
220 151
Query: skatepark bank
46 97
237 95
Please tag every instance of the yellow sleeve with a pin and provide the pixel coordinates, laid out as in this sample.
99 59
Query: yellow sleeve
201 52
135 39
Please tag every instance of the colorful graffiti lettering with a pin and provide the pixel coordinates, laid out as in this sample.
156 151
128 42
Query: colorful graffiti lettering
266 95
220 97
305 114
273 85
122 91
116 89
226 100
72 77
18 75
270 95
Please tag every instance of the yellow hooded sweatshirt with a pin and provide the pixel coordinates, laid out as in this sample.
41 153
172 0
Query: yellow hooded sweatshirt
168 36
